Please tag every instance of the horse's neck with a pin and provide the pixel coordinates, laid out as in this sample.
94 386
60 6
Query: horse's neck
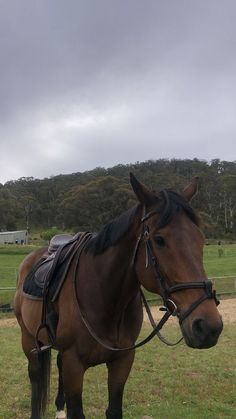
111 276
116 263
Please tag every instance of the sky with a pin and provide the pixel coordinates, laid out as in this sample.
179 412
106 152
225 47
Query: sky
95 83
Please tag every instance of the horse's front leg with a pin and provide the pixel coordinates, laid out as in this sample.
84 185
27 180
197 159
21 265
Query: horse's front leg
118 372
60 398
73 375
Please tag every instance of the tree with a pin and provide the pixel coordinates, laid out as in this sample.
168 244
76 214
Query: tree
9 210
90 206
87 200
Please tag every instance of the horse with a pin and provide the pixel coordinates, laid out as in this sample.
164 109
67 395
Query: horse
157 244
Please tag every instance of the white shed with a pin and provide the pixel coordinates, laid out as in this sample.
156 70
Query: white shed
14 237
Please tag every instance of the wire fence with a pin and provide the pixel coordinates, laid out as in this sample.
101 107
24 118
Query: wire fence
8 276
224 285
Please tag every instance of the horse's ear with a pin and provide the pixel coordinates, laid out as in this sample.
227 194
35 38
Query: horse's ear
143 194
191 189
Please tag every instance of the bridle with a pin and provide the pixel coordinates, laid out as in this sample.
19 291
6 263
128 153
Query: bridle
169 306
165 290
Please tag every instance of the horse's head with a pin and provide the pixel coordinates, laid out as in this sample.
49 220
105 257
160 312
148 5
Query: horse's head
169 261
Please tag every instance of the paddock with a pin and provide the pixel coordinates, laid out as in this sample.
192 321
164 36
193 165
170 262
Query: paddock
165 382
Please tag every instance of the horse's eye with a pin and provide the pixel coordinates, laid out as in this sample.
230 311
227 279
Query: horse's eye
160 241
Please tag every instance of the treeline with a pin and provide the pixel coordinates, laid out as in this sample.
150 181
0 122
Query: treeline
85 201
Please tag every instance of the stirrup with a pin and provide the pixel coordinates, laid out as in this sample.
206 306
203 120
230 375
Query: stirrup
39 347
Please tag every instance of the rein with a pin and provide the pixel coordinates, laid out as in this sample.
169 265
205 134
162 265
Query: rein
170 307
156 328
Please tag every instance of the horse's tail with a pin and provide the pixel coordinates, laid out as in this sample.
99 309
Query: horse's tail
45 370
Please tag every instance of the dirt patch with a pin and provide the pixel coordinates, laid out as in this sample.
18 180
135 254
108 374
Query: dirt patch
8 323
227 309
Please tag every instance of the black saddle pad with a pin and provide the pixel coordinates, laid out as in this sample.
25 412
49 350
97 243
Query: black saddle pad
47 276
35 280
49 272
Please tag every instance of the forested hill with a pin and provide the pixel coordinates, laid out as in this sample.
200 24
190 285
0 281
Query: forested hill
85 201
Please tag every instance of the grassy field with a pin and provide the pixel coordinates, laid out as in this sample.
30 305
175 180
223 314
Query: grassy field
10 258
165 382
216 267
220 266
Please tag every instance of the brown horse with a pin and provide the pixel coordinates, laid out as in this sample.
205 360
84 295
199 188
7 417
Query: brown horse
157 244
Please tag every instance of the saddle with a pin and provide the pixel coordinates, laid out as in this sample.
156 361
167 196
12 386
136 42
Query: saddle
61 240
51 269
46 278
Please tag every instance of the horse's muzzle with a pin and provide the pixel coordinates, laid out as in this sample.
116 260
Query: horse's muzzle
202 334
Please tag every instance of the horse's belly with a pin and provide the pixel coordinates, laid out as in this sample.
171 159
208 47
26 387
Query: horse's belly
31 318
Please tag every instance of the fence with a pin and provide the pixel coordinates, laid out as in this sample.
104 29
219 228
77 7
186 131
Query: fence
225 287
8 277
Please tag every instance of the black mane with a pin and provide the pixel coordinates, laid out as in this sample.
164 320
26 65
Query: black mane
112 232
167 202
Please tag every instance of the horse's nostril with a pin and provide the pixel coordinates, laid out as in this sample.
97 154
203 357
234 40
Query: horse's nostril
205 334
199 327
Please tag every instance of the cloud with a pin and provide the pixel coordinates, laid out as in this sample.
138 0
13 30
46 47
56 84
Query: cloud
86 84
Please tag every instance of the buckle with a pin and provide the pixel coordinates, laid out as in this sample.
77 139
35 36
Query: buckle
217 301
208 288
173 310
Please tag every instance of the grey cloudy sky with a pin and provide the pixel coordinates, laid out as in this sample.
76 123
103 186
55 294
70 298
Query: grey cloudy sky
95 83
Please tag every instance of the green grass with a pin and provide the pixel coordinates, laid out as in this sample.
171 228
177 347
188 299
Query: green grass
10 258
165 382
220 266
216 268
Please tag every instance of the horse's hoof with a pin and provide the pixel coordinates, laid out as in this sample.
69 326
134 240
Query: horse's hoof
61 414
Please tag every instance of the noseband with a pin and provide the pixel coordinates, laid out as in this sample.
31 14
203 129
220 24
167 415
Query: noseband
169 308
165 290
